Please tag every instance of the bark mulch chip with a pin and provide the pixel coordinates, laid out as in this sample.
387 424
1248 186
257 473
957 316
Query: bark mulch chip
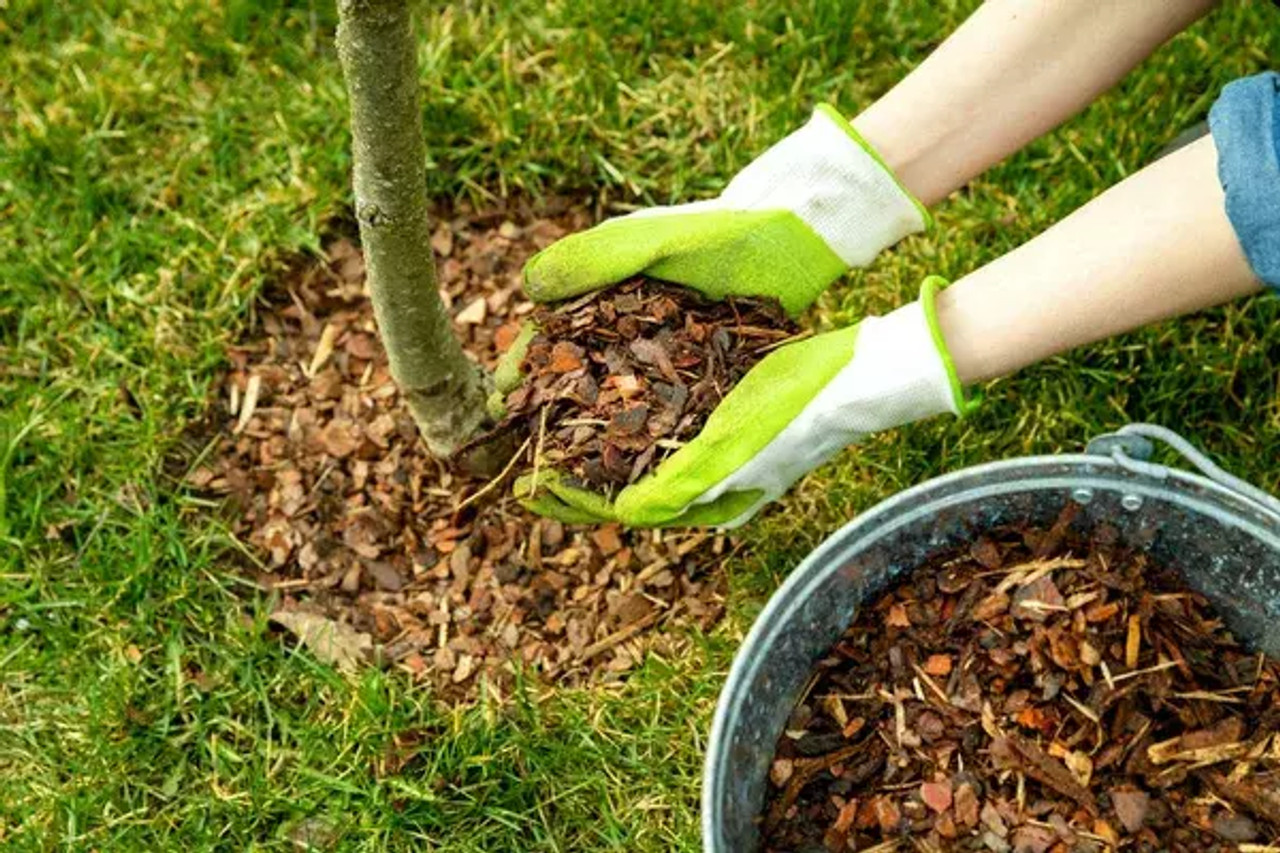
1037 693
623 377
393 557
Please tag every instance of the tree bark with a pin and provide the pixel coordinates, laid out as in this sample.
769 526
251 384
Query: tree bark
444 391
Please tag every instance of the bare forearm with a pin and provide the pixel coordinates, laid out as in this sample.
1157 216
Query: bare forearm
1014 70
1155 246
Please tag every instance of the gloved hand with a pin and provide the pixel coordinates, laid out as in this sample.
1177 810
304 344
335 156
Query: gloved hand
790 223
791 412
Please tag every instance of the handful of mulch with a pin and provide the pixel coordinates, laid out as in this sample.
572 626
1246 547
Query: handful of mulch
619 379
1039 693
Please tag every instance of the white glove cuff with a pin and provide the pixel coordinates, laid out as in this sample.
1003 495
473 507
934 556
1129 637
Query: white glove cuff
830 177
898 374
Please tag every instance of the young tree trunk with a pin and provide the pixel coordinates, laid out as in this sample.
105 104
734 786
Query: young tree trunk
445 392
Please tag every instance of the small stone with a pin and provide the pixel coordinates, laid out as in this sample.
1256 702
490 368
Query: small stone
780 771
385 575
1032 839
930 726
460 563
1235 828
444 659
995 843
466 666
442 240
552 533
1131 808
474 313
991 817
351 579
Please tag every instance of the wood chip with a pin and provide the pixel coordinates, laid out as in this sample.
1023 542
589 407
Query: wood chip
474 314
324 349
1133 643
936 795
250 404
331 642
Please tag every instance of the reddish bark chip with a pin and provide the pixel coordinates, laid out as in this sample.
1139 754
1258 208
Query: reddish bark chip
607 539
939 665
565 357
936 795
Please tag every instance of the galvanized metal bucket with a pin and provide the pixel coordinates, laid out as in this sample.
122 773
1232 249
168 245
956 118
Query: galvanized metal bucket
1223 533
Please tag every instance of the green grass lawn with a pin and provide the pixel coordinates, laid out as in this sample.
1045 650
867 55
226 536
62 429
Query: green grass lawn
157 160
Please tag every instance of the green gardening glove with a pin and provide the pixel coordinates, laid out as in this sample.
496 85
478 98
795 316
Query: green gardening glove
790 223
793 411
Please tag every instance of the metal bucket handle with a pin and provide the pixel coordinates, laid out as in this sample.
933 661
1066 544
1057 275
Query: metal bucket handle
1132 446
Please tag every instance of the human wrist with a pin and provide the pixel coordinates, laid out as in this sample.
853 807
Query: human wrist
979 329
902 148
873 151
834 183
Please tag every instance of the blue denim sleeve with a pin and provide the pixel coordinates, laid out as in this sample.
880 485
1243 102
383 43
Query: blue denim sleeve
1245 122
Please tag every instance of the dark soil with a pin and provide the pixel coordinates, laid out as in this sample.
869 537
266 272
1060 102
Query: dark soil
618 380
381 553
1037 693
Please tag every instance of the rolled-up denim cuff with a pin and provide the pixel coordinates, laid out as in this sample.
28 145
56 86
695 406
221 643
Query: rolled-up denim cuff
1245 121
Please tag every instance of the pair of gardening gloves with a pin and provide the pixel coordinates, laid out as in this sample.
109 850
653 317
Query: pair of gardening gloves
793 221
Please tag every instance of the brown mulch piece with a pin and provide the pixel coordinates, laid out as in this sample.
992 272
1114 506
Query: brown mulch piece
400 559
1037 693
629 374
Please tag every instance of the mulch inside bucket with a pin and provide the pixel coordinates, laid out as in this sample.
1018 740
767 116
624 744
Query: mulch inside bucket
1038 692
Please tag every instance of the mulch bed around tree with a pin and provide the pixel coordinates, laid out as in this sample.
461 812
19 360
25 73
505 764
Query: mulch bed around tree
1039 694
618 380
376 549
